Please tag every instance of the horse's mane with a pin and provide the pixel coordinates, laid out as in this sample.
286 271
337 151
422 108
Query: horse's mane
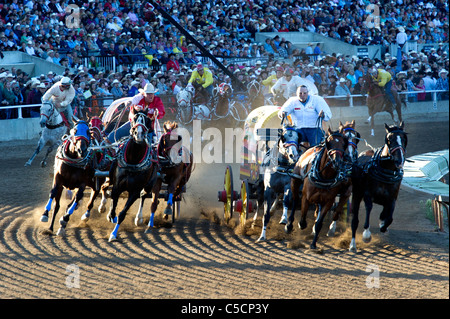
169 126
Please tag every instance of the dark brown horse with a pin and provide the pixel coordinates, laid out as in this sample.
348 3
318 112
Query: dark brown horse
221 100
175 168
255 94
133 170
376 178
377 101
324 177
73 170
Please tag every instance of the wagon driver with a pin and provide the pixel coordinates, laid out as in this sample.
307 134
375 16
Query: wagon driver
145 101
305 112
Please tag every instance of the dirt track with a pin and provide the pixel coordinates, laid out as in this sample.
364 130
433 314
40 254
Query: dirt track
200 257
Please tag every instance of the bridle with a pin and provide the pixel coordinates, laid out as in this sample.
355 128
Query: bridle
335 151
351 135
52 110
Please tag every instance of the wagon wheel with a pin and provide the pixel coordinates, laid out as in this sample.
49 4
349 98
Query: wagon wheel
246 202
228 195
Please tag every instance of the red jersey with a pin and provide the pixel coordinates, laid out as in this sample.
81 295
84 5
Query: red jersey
139 101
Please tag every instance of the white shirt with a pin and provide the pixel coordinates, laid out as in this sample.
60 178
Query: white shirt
304 115
401 38
63 98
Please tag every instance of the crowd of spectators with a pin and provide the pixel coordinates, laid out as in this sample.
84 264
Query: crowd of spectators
133 31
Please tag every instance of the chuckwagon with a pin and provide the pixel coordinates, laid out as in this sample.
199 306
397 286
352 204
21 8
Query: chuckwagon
258 136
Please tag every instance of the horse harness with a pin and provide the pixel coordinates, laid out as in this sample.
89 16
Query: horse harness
144 164
61 153
319 182
374 169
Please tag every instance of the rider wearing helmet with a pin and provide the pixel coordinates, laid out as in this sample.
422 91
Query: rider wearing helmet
202 79
145 101
305 111
61 94
384 79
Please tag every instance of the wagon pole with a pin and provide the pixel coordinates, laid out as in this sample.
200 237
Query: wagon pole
193 40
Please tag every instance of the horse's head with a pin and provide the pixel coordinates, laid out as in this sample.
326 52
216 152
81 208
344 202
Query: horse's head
184 97
395 141
168 144
139 127
224 90
336 144
254 88
47 111
352 137
289 143
80 139
96 127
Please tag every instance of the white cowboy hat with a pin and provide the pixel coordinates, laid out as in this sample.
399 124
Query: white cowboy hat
149 89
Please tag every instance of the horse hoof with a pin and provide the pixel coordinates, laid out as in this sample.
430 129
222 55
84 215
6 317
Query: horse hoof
367 236
168 211
61 232
44 218
111 220
43 164
383 227
112 238
138 221
85 216
288 228
261 239
148 230
303 225
283 221
352 249
330 233
27 164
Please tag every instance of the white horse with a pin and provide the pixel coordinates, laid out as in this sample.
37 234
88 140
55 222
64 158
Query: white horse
53 129
187 111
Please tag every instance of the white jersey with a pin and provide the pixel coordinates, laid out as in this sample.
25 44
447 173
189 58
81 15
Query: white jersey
61 97
304 115
289 88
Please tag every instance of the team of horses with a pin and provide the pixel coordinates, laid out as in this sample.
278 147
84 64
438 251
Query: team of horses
136 166
327 175
303 176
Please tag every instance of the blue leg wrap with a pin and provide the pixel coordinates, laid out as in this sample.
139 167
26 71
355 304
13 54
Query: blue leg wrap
72 208
48 207
169 201
152 217
116 229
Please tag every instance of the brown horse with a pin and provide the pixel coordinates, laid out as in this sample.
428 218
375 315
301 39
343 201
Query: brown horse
175 167
377 178
323 171
73 170
377 101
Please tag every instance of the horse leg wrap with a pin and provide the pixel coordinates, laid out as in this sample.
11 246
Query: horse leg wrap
48 207
72 208
151 221
115 230
170 200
